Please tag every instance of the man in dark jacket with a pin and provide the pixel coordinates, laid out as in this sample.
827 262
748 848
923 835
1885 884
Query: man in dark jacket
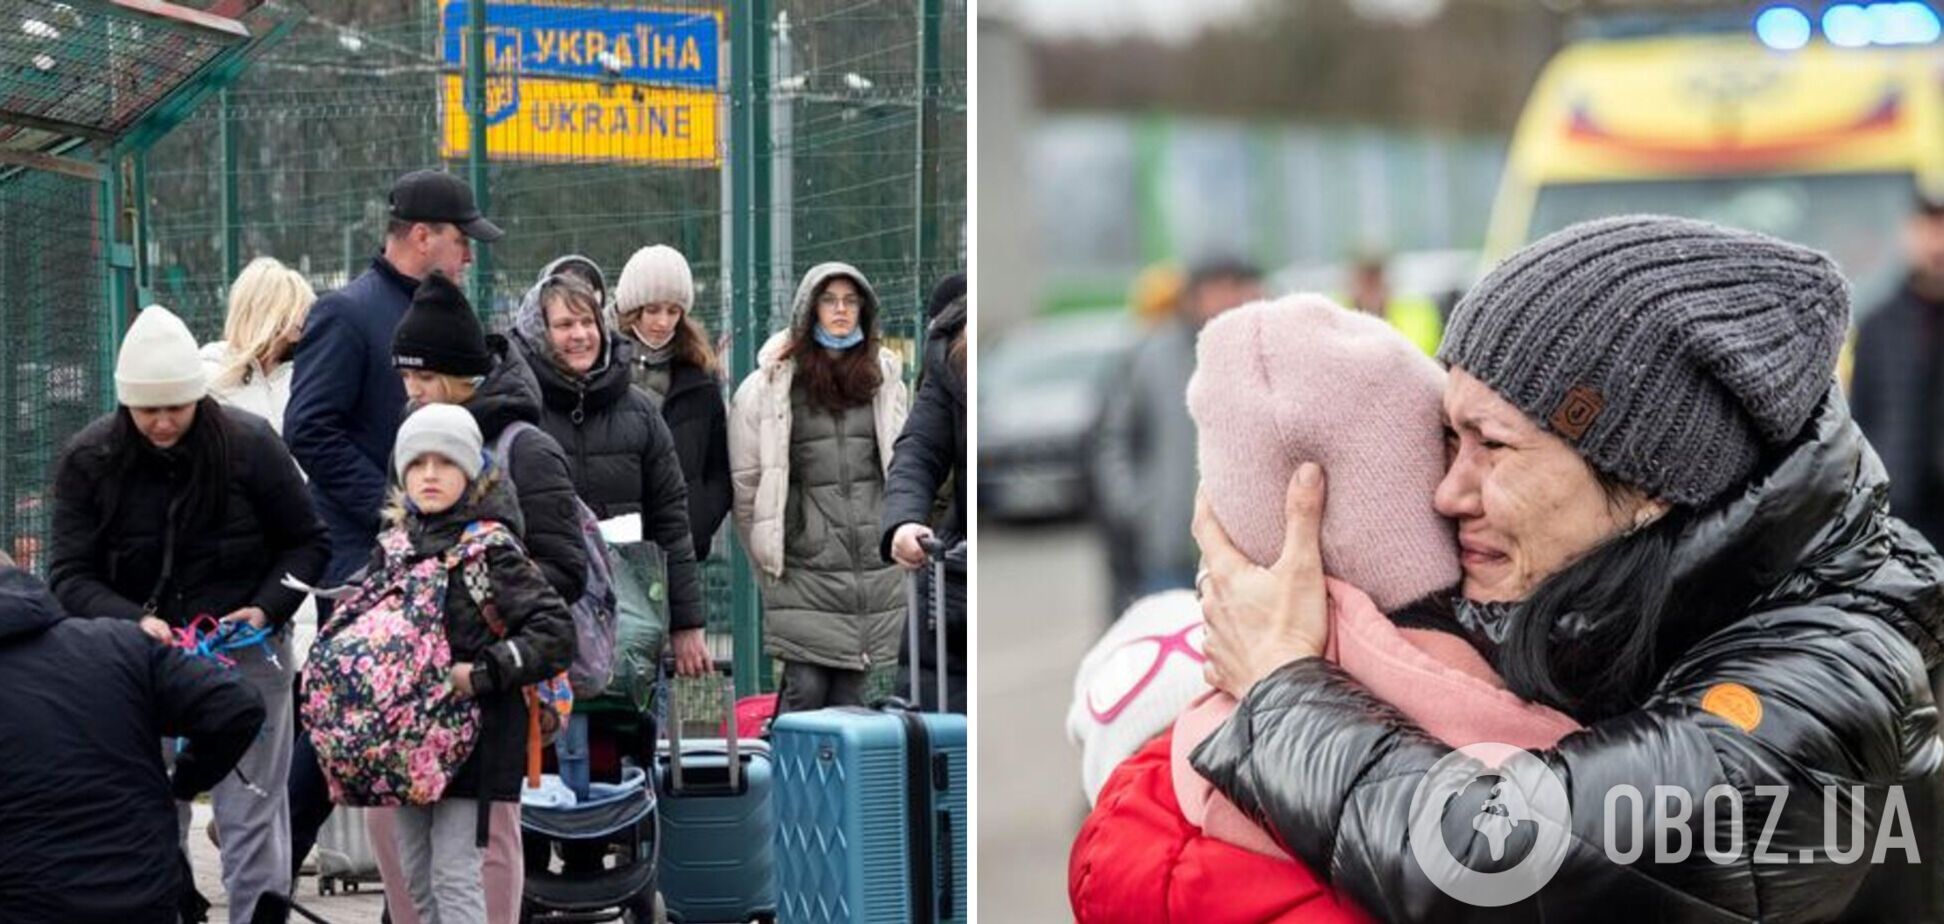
87 811
929 450
345 397
1144 450
1894 392
346 401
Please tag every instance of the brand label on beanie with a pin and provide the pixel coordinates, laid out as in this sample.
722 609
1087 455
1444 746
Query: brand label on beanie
1577 411
413 362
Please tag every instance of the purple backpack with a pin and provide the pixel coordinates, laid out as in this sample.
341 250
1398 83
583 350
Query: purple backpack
595 623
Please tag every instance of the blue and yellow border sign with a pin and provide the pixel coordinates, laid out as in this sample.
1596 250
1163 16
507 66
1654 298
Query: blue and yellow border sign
588 83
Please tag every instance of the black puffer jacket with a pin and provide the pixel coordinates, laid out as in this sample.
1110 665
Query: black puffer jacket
109 527
699 420
537 625
87 812
932 445
539 469
1817 602
622 458
930 449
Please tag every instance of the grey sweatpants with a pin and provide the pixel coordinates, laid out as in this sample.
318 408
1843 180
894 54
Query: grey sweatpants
252 804
438 847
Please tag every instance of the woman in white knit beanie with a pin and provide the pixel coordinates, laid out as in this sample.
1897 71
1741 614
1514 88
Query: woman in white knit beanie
172 511
675 365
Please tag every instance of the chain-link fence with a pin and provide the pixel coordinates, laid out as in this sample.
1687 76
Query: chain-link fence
51 336
607 128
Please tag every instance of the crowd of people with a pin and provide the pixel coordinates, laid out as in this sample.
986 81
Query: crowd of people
257 507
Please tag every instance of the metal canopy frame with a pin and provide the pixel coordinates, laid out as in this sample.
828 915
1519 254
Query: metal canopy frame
88 87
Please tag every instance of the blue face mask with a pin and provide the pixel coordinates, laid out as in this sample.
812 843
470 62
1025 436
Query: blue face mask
826 340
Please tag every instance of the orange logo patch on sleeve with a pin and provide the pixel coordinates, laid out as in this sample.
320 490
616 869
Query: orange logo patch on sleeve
1734 702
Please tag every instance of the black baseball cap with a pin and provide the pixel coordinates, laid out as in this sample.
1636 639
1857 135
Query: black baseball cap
438 196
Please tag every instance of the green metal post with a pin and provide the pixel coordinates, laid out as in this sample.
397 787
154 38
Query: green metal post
482 281
761 151
118 285
144 279
759 225
232 198
930 64
747 165
1150 173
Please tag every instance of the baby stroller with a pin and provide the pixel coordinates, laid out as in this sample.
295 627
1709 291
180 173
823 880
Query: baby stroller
595 859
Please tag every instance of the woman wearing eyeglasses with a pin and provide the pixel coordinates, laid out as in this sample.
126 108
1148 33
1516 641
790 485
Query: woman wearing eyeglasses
810 436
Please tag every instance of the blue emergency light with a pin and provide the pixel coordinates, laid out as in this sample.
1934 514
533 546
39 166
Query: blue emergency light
1784 28
1851 25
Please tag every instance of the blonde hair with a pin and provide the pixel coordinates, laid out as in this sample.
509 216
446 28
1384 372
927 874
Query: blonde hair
453 389
266 302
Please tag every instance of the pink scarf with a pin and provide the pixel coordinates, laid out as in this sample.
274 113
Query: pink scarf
1435 678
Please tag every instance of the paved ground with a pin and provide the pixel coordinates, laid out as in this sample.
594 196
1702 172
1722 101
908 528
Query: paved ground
1042 594
361 908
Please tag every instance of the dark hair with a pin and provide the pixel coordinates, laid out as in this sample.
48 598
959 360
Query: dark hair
575 291
585 271
206 444
844 379
1621 592
1228 269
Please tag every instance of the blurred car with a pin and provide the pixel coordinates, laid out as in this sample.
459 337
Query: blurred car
1040 392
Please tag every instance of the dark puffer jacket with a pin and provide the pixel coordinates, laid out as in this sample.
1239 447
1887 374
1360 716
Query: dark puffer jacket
537 625
109 527
931 449
699 421
539 470
1811 597
87 812
836 603
932 445
622 458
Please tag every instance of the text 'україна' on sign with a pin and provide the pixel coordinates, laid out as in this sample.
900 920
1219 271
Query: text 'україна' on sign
588 83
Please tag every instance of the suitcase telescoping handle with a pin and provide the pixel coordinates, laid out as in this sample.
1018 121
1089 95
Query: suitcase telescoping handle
935 555
724 668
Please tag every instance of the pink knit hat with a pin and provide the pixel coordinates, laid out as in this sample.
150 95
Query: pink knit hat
1300 379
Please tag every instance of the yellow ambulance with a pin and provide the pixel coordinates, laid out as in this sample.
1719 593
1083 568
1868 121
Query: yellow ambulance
1821 133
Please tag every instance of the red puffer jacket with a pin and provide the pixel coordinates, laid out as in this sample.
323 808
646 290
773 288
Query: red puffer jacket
1137 860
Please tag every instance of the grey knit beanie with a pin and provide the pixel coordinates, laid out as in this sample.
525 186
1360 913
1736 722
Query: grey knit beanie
446 429
1669 352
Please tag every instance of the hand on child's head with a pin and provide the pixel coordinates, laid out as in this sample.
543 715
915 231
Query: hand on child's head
434 483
